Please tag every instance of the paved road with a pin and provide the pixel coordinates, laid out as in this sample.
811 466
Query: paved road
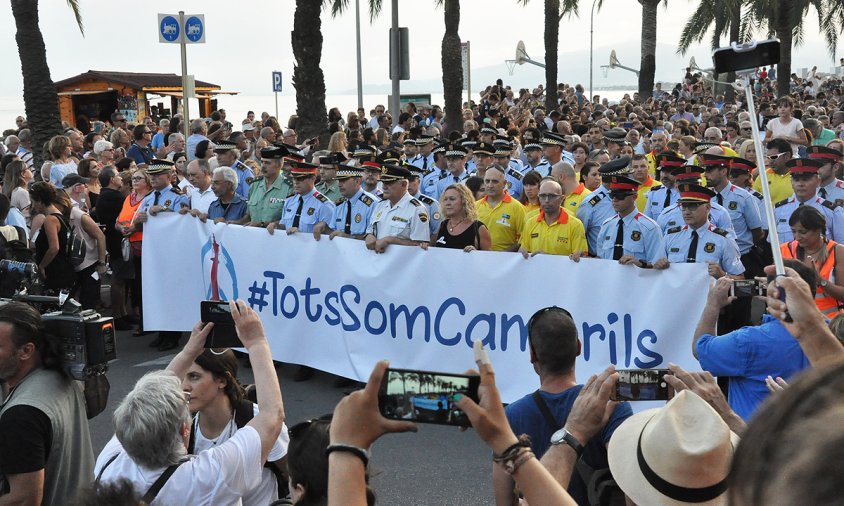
437 465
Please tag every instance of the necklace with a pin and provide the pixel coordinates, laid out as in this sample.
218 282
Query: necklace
454 226
219 438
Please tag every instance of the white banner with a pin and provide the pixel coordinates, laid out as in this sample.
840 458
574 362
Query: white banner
339 307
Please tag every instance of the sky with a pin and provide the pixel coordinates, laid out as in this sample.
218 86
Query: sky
246 41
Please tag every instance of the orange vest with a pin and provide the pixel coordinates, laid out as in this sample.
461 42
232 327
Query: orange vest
127 216
828 304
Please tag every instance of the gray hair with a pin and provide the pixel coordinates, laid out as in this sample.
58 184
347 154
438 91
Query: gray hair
175 135
102 145
196 126
25 135
10 139
164 123
813 125
204 166
228 174
149 420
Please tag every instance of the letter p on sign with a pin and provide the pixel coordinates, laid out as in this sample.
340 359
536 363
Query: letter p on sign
276 81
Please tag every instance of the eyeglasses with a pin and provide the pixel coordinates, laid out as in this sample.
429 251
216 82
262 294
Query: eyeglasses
549 196
746 129
147 132
138 178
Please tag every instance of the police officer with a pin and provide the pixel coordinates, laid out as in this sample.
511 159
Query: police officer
831 188
399 218
267 192
469 145
535 161
699 240
455 156
629 237
354 210
665 195
438 171
431 205
502 152
328 166
372 177
501 142
805 181
673 216
308 210
597 209
229 156
424 159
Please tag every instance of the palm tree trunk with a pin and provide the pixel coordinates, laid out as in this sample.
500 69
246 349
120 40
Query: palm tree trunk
308 78
452 67
735 34
39 93
783 28
552 41
647 66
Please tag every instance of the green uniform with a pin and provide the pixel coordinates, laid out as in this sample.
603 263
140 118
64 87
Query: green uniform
265 204
332 192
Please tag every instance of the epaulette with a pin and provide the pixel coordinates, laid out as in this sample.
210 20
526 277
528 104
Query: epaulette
781 203
828 204
426 199
319 196
427 172
415 202
655 188
597 198
720 231
176 190
339 201
259 178
366 199
516 174
757 195
444 174
673 230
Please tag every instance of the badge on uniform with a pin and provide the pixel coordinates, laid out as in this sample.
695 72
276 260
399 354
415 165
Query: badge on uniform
732 206
437 216
249 180
636 235
509 184
167 203
423 217
534 235
275 200
839 202
671 223
311 211
357 218
709 247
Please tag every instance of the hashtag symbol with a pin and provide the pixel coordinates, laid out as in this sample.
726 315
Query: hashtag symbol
257 296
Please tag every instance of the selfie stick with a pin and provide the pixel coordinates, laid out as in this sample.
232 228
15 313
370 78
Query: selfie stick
773 235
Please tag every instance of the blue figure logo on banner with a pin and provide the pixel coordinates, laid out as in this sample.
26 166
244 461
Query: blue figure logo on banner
218 271
169 28
194 29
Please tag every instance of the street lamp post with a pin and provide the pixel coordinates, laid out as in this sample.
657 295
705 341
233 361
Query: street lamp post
357 40
591 31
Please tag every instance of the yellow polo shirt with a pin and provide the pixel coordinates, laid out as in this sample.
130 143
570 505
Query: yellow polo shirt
563 237
644 188
780 185
573 200
504 221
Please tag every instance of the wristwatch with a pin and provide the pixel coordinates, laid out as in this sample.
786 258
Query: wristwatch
563 436
823 282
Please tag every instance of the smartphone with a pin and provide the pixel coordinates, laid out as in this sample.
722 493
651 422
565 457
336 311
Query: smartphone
426 397
628 125
746 56
224 334
747 288
642 385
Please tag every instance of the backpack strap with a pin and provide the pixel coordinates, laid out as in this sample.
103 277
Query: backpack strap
102 470
159 483
243 412
21 234
546 412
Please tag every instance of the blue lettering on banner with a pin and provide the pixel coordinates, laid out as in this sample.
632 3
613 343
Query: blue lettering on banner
345 307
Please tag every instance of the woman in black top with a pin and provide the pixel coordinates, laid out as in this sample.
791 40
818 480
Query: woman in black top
51 242
460 229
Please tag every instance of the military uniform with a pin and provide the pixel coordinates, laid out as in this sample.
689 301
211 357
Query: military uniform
833 192
448 180
332 191
265 204
352 216
408 219
713 245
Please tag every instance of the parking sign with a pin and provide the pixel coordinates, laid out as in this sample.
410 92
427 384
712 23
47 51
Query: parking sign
277 81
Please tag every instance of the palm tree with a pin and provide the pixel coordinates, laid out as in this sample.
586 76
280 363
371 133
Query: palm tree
647 66
39 94
452 68
308 78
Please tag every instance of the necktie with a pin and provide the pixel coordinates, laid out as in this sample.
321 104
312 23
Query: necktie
720 199
667 199
692 256
298 212
424 163
348 228
822 193
155 201
618 247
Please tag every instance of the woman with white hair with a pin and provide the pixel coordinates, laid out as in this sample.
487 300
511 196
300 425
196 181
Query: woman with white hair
104 152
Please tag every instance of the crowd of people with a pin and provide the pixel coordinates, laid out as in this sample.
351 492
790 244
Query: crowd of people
645 181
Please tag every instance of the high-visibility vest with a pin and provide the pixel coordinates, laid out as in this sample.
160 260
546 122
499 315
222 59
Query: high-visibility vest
829 305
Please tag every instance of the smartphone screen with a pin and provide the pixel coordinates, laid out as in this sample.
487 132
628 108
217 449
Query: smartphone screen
224 334
642 385
746 288
424 396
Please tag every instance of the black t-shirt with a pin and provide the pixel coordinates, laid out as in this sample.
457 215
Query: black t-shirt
26 435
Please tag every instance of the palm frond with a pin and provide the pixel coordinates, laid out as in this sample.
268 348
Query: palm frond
77 13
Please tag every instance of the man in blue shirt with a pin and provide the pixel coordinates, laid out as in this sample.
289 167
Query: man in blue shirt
750 354
554 347
140 150
229 206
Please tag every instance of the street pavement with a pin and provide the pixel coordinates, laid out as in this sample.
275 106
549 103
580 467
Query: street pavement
437 465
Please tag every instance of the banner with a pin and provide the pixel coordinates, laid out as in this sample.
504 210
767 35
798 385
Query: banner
338 307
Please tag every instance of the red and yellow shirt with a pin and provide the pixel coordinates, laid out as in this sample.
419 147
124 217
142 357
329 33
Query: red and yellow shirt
562 237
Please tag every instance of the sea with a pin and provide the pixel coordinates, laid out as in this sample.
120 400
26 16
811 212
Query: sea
237 106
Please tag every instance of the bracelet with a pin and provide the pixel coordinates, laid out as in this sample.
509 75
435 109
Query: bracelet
512 450
354 450
512 465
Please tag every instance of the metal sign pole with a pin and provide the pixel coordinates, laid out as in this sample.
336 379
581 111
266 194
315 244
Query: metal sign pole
183 45
469 73
773 235
276 105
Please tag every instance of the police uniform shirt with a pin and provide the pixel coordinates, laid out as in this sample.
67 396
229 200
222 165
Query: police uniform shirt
331 192
833 192
517 164
744 214
514 182
408 219
642 238
265 204
713 245
543 167
471 168
245 176
167 198
656 200
433 208
315 208
363 203
593 212
834 217
430 178
448 180
423 162
673 217
568 156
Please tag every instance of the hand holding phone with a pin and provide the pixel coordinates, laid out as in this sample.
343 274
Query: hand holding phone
642 385
426 397
747 288
223 334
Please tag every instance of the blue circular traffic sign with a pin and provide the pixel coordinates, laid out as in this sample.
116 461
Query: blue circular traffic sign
169 28
194 29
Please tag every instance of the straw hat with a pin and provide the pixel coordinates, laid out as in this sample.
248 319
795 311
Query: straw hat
679 454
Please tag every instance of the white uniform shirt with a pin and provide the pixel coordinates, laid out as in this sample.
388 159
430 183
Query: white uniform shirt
408 219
